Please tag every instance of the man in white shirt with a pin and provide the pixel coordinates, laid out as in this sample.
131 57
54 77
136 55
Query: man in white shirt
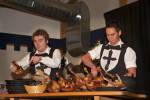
115 57
40 57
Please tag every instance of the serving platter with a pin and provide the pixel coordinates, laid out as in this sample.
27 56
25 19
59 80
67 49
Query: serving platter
110 88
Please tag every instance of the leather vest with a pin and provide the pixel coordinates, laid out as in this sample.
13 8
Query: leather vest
53 72
120 68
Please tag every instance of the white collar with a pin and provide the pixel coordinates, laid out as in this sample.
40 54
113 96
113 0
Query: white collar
45 51
120 42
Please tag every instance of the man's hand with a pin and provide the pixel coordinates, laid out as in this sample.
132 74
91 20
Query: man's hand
94 71
15 69
35 59
131 72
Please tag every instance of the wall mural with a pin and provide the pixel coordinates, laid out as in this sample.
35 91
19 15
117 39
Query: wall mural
19 40
24 40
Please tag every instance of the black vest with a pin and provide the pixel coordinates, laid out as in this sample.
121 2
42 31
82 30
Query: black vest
120 68
54 71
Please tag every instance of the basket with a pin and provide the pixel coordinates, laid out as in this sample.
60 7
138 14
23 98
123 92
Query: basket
35 88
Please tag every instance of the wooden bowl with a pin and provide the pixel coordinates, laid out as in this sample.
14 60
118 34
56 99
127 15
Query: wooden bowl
67 89
91 88
35 88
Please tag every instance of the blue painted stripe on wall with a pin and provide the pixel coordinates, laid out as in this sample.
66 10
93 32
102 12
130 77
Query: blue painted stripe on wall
18 40
98 35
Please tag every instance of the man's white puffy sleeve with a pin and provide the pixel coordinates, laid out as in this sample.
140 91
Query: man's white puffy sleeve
95 52
24 62
130 58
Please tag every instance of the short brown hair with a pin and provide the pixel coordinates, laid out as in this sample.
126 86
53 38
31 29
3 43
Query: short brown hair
114 25
41 32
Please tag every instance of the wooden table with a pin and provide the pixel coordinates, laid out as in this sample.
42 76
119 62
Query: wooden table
95 94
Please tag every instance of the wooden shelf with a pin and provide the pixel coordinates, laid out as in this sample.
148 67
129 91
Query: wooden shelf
95 94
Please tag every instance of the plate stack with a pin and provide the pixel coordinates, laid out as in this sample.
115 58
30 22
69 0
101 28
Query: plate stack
17 86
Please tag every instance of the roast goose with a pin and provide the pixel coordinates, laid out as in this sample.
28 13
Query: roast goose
53 86
40 76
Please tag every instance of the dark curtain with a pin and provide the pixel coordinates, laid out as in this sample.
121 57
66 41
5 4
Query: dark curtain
144 32
135 22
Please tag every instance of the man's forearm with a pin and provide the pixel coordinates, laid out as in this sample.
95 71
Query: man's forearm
88 61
